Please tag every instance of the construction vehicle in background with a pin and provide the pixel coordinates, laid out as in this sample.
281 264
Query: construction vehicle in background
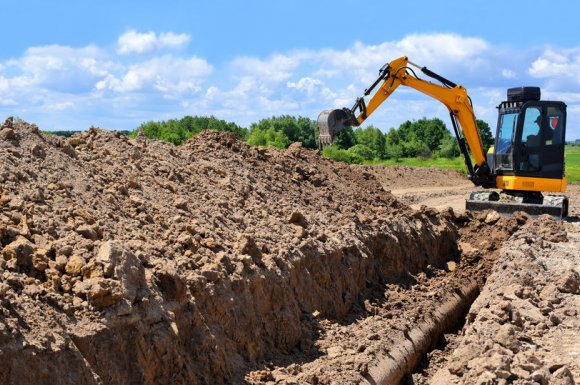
526 164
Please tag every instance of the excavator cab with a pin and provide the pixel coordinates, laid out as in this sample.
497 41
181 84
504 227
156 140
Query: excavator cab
527 160
530 137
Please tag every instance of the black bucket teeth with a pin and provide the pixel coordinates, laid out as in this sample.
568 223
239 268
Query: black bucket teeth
329 123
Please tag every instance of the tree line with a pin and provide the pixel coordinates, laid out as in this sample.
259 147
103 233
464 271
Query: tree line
421 138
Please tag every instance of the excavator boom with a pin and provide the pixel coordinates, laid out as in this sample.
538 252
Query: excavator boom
454 97
514 166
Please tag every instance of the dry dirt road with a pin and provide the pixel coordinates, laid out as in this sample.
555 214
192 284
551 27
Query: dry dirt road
440 189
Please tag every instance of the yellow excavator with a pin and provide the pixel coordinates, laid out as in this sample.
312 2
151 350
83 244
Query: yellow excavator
526 164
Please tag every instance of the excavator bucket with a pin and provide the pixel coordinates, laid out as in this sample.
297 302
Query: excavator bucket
329 123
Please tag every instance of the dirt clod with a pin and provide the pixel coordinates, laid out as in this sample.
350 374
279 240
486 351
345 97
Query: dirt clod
569 282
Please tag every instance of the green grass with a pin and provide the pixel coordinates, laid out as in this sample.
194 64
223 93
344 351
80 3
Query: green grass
573 163
457 164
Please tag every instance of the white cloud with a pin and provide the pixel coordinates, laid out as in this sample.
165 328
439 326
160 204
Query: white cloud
57 68
277 106
212 92
312 87
133 42
166 74
557 64
571 98
438 52
117 87
508 74
172 40
60 106
442 47
276 69
8 102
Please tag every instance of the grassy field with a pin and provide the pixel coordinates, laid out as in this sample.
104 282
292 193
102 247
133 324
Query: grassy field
572 163
457 164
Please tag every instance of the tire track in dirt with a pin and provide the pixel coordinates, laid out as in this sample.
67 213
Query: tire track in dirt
440 197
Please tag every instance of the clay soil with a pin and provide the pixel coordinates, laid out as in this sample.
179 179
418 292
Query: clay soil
135 261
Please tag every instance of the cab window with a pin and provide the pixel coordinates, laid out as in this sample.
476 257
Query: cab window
532 127
555 132
530 157
504 146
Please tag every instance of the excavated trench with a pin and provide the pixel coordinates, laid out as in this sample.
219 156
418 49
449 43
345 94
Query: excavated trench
394 323
405 356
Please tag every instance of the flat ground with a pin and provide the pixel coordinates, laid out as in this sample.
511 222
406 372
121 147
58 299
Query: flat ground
439 189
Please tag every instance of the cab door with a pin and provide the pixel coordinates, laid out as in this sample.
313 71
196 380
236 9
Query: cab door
540 140
554 141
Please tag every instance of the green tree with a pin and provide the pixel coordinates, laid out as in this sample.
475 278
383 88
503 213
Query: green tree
362 151
268 137
418 138
449 148
294 129
345 138
177 131
393 148
393 151
485 134
339 154
372 138
415 147
428 131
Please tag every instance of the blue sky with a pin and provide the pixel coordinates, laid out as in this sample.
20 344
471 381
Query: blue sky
116 64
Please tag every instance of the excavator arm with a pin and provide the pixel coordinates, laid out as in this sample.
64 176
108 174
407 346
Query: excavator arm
454 97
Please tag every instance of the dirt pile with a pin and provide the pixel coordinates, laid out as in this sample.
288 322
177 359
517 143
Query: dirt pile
523 328
134 261
414 178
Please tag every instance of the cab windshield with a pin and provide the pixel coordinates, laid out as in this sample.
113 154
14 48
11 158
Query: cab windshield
504 146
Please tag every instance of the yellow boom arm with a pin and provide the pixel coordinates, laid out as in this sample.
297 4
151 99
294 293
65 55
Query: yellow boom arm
453 96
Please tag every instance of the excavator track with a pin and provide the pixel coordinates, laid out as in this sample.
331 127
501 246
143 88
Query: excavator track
554 205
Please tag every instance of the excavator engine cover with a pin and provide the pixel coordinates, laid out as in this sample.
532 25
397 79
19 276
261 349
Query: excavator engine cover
330 122
523 94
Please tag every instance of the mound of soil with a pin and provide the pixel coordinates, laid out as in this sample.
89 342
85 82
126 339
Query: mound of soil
135 261
523 328
412 178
